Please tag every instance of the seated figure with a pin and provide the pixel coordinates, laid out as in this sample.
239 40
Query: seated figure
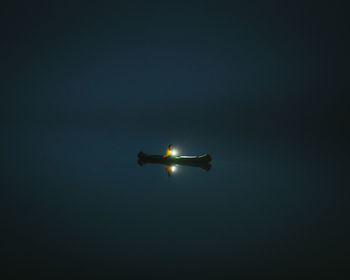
168 151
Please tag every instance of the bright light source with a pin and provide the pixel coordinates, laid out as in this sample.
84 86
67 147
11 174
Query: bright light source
173 152
173 168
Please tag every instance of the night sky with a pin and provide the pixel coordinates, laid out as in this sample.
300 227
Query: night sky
261 86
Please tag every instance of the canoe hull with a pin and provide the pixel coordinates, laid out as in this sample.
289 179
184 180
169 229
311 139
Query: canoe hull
196 161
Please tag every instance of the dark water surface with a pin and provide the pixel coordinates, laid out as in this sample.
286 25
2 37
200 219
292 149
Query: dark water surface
77 202
261 86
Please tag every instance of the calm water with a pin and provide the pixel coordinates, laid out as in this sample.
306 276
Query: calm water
261 87
77 201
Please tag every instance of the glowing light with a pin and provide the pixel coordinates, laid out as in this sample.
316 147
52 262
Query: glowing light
173 168
173 152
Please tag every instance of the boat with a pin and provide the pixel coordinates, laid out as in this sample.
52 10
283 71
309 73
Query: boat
196 161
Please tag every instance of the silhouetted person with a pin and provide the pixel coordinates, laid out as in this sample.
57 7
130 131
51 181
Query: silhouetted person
168 151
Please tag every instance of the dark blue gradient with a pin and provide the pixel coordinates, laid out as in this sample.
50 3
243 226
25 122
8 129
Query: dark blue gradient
259 86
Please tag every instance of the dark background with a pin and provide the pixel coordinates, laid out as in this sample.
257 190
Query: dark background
262 86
